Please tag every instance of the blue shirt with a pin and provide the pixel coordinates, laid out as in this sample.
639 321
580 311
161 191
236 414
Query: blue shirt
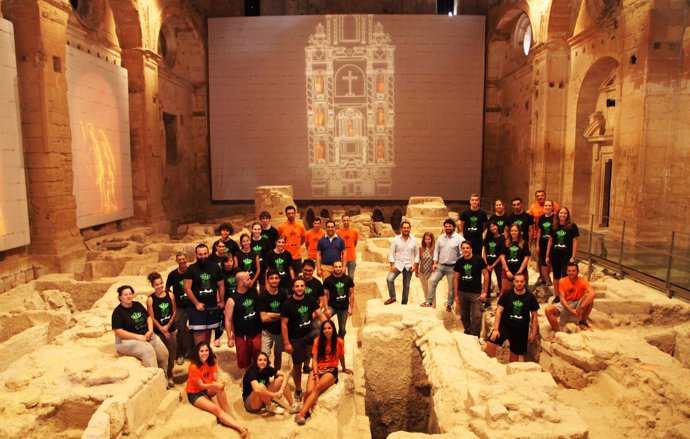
331 249
447 250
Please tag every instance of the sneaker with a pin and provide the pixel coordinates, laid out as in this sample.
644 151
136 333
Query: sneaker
389 301
294 408
425 305
298 395
180 360
306 368
448 308
275 409
583 325
299 419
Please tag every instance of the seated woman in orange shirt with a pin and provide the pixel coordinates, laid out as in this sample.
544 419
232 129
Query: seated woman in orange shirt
203 384
328 350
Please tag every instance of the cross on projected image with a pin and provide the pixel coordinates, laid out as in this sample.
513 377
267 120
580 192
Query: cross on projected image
350 111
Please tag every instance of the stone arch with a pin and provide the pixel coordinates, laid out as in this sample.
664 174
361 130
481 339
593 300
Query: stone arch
377 215
396 218
588 99
560 23
128 24
325 214
309 218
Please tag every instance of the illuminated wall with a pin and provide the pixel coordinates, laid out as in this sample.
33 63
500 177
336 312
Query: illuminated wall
99 119
346 106
14 218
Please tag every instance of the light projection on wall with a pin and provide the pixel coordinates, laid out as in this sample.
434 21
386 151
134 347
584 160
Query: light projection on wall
99 118
14 218
350 108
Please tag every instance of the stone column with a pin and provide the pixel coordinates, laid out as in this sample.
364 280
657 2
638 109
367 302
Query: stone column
41 37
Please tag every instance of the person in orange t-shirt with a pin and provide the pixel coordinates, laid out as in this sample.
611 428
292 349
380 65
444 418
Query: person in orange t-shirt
328 350
575 296
312 238
294 237
350 236
203 384
537 210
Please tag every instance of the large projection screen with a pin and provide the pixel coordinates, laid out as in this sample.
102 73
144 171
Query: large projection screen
346 106
98 100
14 217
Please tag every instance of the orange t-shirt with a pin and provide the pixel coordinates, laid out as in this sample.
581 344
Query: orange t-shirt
312 239
350 236
205 373
573 291
331 360
294 234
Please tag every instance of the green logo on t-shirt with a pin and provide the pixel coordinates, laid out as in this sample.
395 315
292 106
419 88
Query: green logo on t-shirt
340 295
275 306
560 236
473 224
257 248
513 253
468 271
205 280
492 250
279 265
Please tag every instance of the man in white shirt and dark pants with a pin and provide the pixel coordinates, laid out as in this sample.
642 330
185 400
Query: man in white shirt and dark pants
404 258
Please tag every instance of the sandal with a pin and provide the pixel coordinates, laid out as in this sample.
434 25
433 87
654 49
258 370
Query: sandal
216 343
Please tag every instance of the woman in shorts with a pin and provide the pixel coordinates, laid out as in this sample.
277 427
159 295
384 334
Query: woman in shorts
514 258
262 385
203 385
328 350
562 246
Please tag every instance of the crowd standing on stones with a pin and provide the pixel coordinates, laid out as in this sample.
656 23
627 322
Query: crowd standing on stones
268 301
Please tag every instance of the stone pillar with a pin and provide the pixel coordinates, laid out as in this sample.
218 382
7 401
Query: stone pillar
147 140
41 37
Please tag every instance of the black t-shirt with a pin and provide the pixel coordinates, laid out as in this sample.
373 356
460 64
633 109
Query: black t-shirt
338 291
523 220
493 246
271 303
299 314
563 239
280 263
260 247
162 312
245 315
175 282
544 225
218 260
501 222
230 282
517 309
230 246
132 319
474 223
515 255
470 272
204 282
270 234
254 374
314 288
246 262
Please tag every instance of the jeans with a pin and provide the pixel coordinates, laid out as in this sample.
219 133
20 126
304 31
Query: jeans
185 342
390 280
351 267
470 312
342 320
436 276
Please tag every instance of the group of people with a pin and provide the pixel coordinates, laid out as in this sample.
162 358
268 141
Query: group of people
267 300
470 250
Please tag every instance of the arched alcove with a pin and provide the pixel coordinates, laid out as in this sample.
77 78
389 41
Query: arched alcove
309 218
377 215
396 219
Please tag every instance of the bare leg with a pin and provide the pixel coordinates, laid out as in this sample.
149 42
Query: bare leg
514 357
208 405
552 314
490 350
326 381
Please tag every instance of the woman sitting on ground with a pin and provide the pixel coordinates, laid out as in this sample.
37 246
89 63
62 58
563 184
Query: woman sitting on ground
258 391
134 331
203 384
328 350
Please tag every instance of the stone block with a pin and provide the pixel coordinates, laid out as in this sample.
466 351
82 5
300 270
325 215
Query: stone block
98 427
682 347
617 307
383 230
495 410
273 199
665 340
582 359
519 367
137 407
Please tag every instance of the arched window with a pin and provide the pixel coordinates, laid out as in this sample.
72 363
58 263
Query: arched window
523 34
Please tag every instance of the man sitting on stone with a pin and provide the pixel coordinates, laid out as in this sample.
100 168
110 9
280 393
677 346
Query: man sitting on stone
577 299
516 320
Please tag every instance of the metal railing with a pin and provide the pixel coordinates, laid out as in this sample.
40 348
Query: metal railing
664 265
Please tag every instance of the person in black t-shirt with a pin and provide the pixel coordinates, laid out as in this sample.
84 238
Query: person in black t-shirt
499 216
203 284
243 321
515 257
175 284
162 309
217 252
228 272
270 301
281 261
262 385
544 229
470 291
473 223
134 334
562 246
225 231
340 290
517 311
493 248
523 219
248 260
268 232
296 316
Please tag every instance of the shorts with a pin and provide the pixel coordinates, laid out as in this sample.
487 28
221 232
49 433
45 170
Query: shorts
192 397
248 407
575 304
516 338
559 261
205 320
332 370
542 254
299 348
248 347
